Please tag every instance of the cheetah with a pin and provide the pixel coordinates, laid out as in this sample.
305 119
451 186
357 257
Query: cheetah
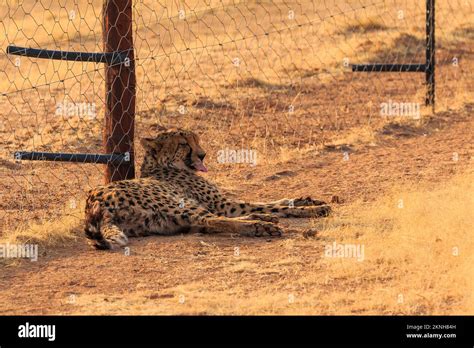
170 198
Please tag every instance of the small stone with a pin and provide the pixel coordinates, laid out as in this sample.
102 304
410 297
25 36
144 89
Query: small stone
309 233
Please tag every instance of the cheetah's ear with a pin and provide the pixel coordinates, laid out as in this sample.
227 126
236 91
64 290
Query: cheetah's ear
147 143
160 129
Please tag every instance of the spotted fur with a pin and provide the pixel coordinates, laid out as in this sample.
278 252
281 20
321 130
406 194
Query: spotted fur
171 198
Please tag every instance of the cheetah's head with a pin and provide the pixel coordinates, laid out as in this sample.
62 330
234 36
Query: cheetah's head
175 148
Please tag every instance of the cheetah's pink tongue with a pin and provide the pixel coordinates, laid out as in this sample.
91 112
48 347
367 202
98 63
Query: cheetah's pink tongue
200 167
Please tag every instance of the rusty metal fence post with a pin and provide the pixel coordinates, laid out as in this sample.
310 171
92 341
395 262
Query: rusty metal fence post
120 89
430 53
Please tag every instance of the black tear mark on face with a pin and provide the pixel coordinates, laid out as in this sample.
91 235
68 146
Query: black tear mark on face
153 152
188 161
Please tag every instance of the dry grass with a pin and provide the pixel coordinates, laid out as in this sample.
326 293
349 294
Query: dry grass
418 250
356 136
417 259
363 26
49 233
408 251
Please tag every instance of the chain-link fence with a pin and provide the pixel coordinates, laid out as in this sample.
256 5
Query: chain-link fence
274 77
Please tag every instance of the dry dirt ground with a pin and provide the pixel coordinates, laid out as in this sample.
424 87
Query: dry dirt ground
404 186
222 274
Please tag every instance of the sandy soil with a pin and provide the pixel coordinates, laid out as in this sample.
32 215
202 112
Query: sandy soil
202 274
333 142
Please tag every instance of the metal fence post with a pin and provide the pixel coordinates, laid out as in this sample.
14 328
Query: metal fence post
120 88
428 67
430 53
